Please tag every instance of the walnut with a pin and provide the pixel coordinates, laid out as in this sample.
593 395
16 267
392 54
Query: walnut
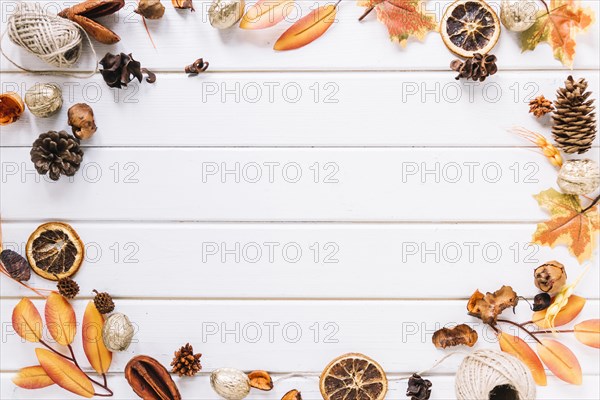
81 119
450 337
489 306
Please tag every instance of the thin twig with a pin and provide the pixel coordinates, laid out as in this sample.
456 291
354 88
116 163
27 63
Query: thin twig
102 385
546 5
596 200
367 12
547 332
520 327
55 351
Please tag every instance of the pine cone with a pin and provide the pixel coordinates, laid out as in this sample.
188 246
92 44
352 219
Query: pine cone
574 127
103 302
476 68
186 362
67 287
540 106
56 153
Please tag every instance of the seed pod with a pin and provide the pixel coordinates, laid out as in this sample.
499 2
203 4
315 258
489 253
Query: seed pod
117 332
81 120
260 380
150 380
16 266
292 395
541 301
11 107
229 383
550 277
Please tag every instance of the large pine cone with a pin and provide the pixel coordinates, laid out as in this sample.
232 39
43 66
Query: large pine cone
477 68
574 127
56 153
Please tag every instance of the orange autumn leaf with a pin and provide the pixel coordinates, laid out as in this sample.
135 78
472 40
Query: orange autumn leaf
266 13
403 18
27 321
570 224
517 347
60 319
558 26
561 361
34 377
588 332
308 28
91 335
64 373
564 316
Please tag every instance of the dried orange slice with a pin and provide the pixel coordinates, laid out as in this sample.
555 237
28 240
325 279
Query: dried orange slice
353 376
470 26
54 250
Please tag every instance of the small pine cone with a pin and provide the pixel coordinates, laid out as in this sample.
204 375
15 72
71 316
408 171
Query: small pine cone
103 302
477 68
185 362
67 287
56 153
574 128
540 106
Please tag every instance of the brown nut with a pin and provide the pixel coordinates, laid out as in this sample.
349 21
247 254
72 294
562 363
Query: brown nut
260 380
292 395
11 107
81 119
550 277
150 380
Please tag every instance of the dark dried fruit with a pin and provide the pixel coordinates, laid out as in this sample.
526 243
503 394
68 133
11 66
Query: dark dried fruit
16 265
550 277
449 337
260 380
355 376
103 302
120 69
183 4
489 306
418 388
185 362
196 67
541 302
150 380
477 68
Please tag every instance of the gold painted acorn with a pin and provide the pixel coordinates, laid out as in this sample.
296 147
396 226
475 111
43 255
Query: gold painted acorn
229 383
117 332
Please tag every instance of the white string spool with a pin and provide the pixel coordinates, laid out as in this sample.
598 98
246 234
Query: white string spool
55 40
484 371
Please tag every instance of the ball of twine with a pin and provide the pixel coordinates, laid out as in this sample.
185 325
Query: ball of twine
44 99
484 371
55 40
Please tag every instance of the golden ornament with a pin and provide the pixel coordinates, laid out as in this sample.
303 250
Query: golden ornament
229 383
223 14
579 177
44 99
117 332
518 15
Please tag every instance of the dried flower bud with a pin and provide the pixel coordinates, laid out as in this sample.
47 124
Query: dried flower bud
81 120
11 108
117 332
260 380
550 277
541 301
151 9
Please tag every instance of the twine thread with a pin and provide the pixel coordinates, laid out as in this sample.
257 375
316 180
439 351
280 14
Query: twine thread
53 39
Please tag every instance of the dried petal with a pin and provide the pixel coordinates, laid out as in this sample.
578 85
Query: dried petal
449 337
489 306
292 395
260 380
418 388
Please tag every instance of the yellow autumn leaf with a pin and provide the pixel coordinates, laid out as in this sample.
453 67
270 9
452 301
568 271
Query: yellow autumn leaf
561 361
517 347
27 321
570 224
34 377
91 335
64 373
60 319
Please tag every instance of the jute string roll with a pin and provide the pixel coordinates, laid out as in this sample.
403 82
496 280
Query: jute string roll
55 40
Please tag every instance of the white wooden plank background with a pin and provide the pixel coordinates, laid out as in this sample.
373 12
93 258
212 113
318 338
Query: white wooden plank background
377 115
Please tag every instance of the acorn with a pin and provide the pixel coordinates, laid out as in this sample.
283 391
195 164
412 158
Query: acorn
16 265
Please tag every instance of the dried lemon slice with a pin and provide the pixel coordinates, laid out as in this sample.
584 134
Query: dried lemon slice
54 250
470 26
353 376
